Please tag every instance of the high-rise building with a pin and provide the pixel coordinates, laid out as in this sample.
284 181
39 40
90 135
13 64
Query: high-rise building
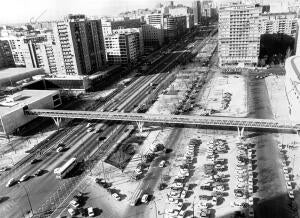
183 11
206 8
122 48
197 12
19 50
297 39
174 27
81 45
239 36
6 57
285 22
153 33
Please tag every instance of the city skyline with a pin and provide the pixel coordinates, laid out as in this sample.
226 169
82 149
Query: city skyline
54 10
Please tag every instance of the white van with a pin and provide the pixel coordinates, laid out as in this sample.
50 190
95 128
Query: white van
162 163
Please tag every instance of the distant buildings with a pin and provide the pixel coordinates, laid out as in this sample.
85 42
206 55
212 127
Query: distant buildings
285 22
207 8
239 36
80 45
197 12
6 57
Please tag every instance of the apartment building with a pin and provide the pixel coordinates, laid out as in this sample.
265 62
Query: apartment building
183 11
6 57
80 45
279 23
196 5
153 33
239 36
174 27
122 48
19 50
206 8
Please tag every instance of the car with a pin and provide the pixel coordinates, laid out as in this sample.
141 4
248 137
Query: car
74 203
89 125
144 198
90 129
10 182
183 194
250 201
251 213
38 172
23 178
177 185
59 149
182 213
289 185
71 211
101 138
291 194
33 161
241 185
162 163
91 211
116 196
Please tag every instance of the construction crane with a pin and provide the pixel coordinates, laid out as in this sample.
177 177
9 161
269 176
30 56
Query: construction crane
34 20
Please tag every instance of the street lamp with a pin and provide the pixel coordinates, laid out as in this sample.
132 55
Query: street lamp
27 195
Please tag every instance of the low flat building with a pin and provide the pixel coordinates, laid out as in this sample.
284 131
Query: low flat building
11 108
17 76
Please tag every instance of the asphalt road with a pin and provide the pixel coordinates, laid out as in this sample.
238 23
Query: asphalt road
271 184
41 189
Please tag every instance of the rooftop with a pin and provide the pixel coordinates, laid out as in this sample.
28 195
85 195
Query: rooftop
18 73
26 97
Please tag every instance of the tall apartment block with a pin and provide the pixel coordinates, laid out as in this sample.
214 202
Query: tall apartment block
81 45
279 23
122 48
6 57
206 8
183 11
153 32
174 27
197 12
239 36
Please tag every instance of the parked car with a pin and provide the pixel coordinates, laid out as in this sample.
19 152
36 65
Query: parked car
71 211
10 182
23 178
162 163
144 198
91 212
38 172
74 203
116 196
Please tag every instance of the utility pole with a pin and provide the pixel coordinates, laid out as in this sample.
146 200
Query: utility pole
27 194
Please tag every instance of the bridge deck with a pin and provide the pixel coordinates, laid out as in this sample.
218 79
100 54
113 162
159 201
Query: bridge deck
168 119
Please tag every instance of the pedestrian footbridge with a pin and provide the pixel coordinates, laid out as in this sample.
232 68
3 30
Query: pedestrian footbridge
173 120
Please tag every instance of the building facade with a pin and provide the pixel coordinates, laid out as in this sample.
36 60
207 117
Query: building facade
80 45
174 27
239 36
122 48
153 33
279 23
197 12
6 57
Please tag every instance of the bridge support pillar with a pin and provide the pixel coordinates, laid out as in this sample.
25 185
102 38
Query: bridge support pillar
240 132
57 121
140 126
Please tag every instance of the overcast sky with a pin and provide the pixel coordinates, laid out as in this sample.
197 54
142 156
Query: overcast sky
12 11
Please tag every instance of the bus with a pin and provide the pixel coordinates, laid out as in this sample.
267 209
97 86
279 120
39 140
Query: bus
62 171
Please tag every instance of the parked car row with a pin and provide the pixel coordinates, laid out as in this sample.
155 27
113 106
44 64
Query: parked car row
179 188
216 180
244 175
288 176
